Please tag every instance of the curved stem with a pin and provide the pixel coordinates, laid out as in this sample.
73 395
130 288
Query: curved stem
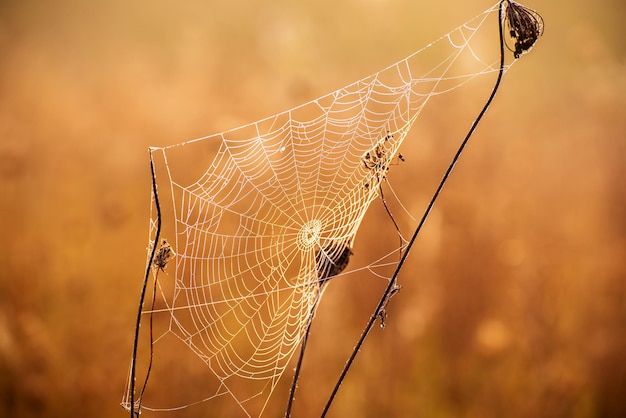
296 375
389 291
157 234
395 224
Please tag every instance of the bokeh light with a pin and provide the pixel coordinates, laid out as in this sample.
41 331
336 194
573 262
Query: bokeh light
514 297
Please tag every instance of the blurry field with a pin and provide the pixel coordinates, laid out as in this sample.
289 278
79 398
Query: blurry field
514 298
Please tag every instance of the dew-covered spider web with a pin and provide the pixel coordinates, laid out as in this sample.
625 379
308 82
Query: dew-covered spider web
261 216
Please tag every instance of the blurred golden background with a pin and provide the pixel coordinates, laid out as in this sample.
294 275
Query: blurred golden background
514 298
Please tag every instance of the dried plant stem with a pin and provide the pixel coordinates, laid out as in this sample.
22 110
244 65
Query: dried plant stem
296 375
395 224
135 413
392 287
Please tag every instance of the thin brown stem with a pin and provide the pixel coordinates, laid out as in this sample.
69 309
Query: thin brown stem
392 287
133 368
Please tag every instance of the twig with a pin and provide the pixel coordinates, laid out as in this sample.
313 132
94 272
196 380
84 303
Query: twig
296 375
395 224
145 382
392 287
133 366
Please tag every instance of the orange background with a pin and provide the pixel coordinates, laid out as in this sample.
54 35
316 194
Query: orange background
514 298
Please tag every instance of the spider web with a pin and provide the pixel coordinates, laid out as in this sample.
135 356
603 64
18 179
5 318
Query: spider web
251 214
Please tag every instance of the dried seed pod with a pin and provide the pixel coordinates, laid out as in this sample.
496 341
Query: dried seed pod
524 25
163 255
331 261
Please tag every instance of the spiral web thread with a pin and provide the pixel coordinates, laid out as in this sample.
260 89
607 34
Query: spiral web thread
254 210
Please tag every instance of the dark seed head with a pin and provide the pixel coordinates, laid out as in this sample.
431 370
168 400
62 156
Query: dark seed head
525 27
332 260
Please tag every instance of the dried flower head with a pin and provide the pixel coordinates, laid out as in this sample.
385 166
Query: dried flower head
331 261
163 255
524 25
